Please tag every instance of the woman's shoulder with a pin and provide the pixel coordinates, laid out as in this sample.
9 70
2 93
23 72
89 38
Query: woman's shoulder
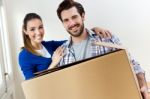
25 54
52 42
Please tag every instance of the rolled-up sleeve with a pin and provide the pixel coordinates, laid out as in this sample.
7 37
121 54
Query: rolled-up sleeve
137 67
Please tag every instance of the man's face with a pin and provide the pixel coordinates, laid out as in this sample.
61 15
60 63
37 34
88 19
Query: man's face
73 21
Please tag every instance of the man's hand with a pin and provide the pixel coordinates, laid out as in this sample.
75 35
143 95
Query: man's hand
143 85
144 92
102 32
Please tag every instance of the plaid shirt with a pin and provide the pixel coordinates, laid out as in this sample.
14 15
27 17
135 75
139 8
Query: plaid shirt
69 56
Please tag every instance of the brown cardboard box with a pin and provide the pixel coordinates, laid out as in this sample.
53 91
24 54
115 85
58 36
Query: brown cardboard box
148 83
108 76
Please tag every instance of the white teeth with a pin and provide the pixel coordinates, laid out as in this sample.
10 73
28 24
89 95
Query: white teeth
38 37
74 28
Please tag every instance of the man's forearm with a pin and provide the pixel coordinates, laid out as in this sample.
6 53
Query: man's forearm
141 80
143 85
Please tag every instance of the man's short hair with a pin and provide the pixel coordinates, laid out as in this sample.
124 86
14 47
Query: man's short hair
67 4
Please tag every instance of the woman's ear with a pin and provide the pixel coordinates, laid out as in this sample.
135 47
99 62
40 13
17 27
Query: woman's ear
24 31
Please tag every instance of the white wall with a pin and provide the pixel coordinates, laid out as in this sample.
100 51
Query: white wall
129 19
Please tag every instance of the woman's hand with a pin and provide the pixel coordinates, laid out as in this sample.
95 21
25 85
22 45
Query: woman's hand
58 54
102 32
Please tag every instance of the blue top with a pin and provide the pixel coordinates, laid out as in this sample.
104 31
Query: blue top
31 63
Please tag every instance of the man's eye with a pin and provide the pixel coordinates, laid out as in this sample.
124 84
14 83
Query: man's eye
66 20
74 17
41 27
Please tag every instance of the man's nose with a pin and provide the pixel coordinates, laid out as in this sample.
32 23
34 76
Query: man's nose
71 23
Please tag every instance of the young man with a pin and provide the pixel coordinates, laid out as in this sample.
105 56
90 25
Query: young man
81 45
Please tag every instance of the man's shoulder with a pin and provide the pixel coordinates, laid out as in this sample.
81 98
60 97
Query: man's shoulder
66 44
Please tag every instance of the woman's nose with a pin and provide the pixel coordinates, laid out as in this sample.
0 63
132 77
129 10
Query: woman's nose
38 31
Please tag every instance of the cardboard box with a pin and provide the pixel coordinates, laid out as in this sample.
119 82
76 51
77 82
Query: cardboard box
148 83
109 76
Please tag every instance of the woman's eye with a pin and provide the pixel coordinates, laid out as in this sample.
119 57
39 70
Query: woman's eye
32 29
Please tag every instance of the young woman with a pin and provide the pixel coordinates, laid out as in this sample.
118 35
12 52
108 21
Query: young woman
38 55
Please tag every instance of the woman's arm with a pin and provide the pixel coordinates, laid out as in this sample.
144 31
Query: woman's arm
26 67
102 32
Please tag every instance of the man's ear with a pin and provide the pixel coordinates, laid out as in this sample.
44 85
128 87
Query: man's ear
83 16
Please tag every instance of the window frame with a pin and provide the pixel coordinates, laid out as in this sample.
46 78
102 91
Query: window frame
8 84
3 87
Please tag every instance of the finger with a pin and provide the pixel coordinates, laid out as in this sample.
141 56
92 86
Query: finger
61 48
109 35
105 34
101 34
58 49
62 55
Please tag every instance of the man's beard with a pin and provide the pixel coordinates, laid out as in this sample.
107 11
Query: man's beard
78 33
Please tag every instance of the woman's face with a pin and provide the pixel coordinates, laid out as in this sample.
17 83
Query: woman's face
35 31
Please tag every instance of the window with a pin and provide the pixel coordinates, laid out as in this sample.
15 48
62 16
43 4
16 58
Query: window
2 79
6 74
2 62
